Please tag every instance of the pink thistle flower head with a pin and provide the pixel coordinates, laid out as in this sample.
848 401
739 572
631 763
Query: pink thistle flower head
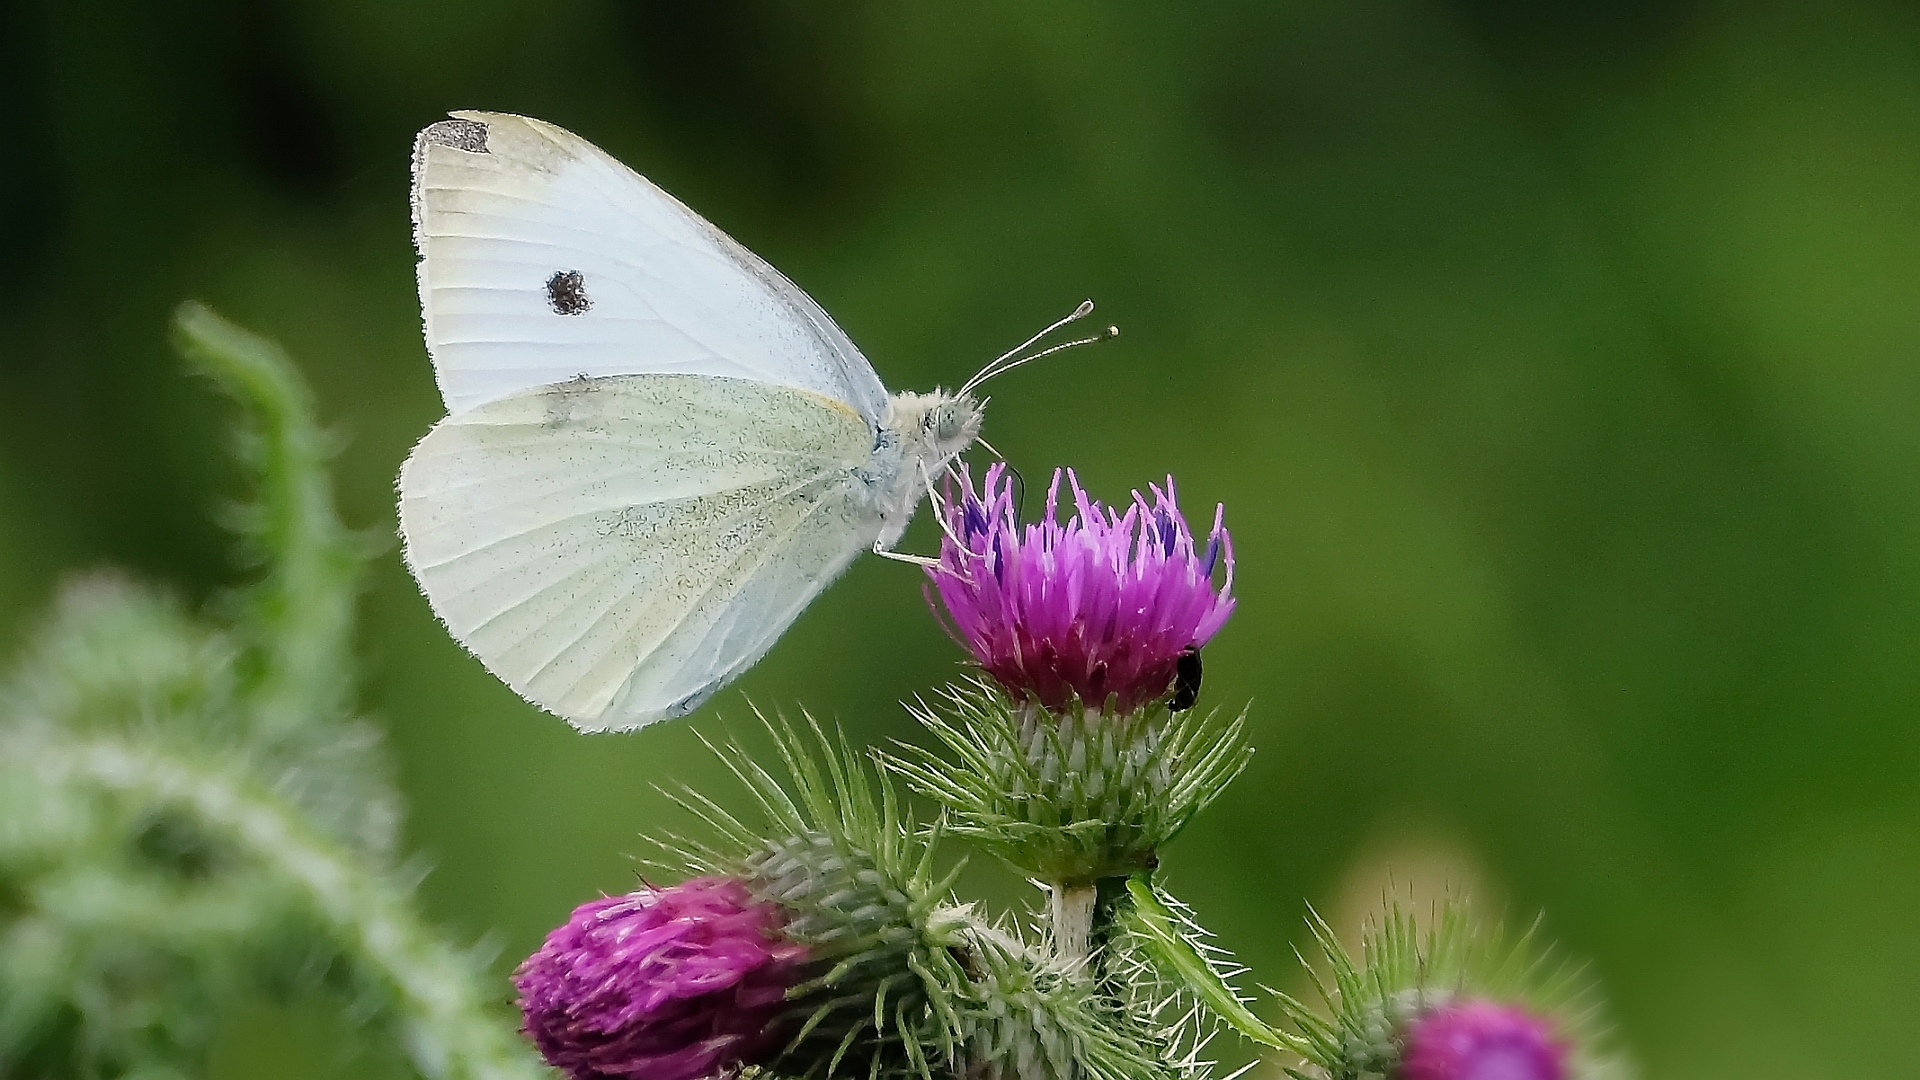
678 983
1482 1040
1101 607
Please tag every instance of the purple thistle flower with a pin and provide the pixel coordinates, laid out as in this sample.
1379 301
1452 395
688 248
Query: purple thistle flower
1101 606
1482 1040
680 983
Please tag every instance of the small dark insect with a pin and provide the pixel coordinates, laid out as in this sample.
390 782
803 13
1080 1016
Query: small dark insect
1186 680
567 293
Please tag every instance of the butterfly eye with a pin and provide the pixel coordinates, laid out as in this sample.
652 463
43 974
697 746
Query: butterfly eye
946 423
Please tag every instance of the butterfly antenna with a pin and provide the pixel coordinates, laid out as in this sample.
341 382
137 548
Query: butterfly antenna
1108 334
1085 309
1006 361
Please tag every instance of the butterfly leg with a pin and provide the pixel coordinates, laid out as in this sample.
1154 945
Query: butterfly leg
884 552
933 500
933 496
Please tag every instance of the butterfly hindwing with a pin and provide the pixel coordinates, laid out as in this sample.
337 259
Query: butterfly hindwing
617 548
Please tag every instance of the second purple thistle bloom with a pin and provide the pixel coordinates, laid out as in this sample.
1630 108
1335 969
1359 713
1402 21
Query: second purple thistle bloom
1483 1040
1099 607
678 983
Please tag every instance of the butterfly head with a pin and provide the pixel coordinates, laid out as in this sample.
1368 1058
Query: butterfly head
934 427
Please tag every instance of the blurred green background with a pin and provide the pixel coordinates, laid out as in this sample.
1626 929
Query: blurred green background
1556 365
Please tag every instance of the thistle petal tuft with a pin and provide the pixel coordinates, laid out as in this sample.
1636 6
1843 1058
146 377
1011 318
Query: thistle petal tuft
1096 609
677 983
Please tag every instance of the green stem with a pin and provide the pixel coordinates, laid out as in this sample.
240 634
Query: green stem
1070 910
305 603
447 1032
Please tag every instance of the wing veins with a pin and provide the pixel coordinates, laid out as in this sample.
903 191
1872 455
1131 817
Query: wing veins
735 516
746 661
615 507
775 543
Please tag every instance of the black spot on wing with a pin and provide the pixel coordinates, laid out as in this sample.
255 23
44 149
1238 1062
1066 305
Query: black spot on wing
468 135
567 293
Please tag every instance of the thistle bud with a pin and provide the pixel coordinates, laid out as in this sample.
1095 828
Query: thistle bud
678 983
877 936
873 991
1447 1002
1482 1040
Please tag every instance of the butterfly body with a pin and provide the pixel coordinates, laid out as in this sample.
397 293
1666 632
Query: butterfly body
657 451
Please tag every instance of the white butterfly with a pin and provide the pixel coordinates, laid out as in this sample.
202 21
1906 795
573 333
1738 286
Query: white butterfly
657 449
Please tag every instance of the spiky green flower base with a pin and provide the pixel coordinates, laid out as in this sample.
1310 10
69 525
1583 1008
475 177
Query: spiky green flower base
905 981
1072 797
1032 1017
858 881
1404 972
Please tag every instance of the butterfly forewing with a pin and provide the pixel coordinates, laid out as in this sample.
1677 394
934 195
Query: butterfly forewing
542 258
617 548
